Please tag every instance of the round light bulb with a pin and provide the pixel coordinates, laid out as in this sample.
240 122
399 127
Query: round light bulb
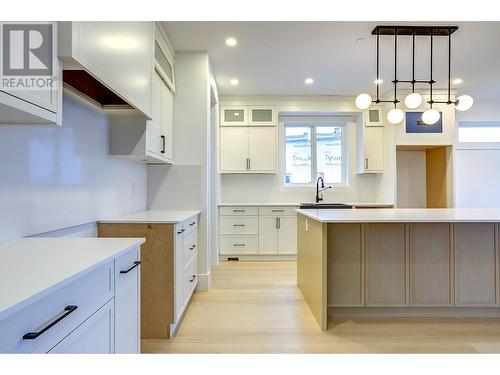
464 102
395 116
414 100
431 116
363 101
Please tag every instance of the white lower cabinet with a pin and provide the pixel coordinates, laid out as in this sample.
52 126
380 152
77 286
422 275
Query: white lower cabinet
257 230
94 336
185 266
96 313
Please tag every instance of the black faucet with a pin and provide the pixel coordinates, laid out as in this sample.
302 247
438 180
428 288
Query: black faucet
318 190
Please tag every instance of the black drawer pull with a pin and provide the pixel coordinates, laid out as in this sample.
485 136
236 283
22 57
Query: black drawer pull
193 278
238 210
51 323
181 231
193 223
136 263
238 225
278 210
162 144
239 245
192 247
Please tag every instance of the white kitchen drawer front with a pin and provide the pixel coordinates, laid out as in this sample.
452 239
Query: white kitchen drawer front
44 323
239 224
277 211
127 302
239 244
190 279
95 336
190 224
190 245
239 211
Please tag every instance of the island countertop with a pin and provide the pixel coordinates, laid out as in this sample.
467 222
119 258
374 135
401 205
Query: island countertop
383 215
153 217
31 268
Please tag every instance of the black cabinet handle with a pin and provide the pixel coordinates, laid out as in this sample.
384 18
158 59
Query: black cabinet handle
239 225
193 223
192 279
192 247
51 323
136 263
162 144
181 231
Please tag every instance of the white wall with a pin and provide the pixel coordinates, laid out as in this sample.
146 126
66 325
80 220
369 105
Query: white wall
57 177
185 185
411 179
239 188
477 181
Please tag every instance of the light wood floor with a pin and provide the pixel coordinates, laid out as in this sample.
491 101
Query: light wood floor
255 307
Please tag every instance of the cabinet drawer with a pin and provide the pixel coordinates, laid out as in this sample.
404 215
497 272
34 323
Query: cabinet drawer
190 224
239 244
127 302
277 211
239 225
190 247
87 293
190 279
239 211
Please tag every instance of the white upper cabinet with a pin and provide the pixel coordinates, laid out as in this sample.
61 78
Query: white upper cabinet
262 149
262 115
242 115
234 115
118 54
233 149
374 117
370 149
167 122
40 106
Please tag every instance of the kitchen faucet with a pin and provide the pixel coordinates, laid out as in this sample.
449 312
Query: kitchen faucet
318 190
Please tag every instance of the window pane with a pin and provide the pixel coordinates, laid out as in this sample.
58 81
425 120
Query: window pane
298 155
479 134
329 153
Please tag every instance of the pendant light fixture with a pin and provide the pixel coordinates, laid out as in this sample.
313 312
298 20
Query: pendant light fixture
414 99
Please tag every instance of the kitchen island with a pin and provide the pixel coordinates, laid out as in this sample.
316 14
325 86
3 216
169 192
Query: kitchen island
399 262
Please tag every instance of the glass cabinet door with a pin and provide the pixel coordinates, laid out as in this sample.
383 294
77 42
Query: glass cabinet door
262 116
233 116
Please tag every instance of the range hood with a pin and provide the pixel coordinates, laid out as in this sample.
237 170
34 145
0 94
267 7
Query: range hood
84 84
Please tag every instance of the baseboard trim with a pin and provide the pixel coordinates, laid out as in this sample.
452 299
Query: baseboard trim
204 281
413 312
223 258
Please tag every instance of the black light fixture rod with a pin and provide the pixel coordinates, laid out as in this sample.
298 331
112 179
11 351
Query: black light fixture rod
395 66
416 81
378 77
413 64
449 67
431 80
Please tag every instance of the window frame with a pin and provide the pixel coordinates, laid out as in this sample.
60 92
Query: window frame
313 124
476 145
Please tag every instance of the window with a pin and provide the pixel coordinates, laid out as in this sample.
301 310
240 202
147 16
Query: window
479 132
314 150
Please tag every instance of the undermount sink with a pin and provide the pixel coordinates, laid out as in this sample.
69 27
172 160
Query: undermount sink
325 205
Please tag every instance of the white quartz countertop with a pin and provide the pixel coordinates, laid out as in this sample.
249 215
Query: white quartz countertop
153 217
32 268
357 204
384 215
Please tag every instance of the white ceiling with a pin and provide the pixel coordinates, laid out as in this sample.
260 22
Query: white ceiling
274 58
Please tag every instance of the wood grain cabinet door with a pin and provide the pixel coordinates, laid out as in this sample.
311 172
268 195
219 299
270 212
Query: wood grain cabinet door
431 262
476 265
345 266
387 278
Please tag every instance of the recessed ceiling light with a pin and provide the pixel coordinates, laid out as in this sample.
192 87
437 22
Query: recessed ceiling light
457 81
378 81
309 81
231 42
234 81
